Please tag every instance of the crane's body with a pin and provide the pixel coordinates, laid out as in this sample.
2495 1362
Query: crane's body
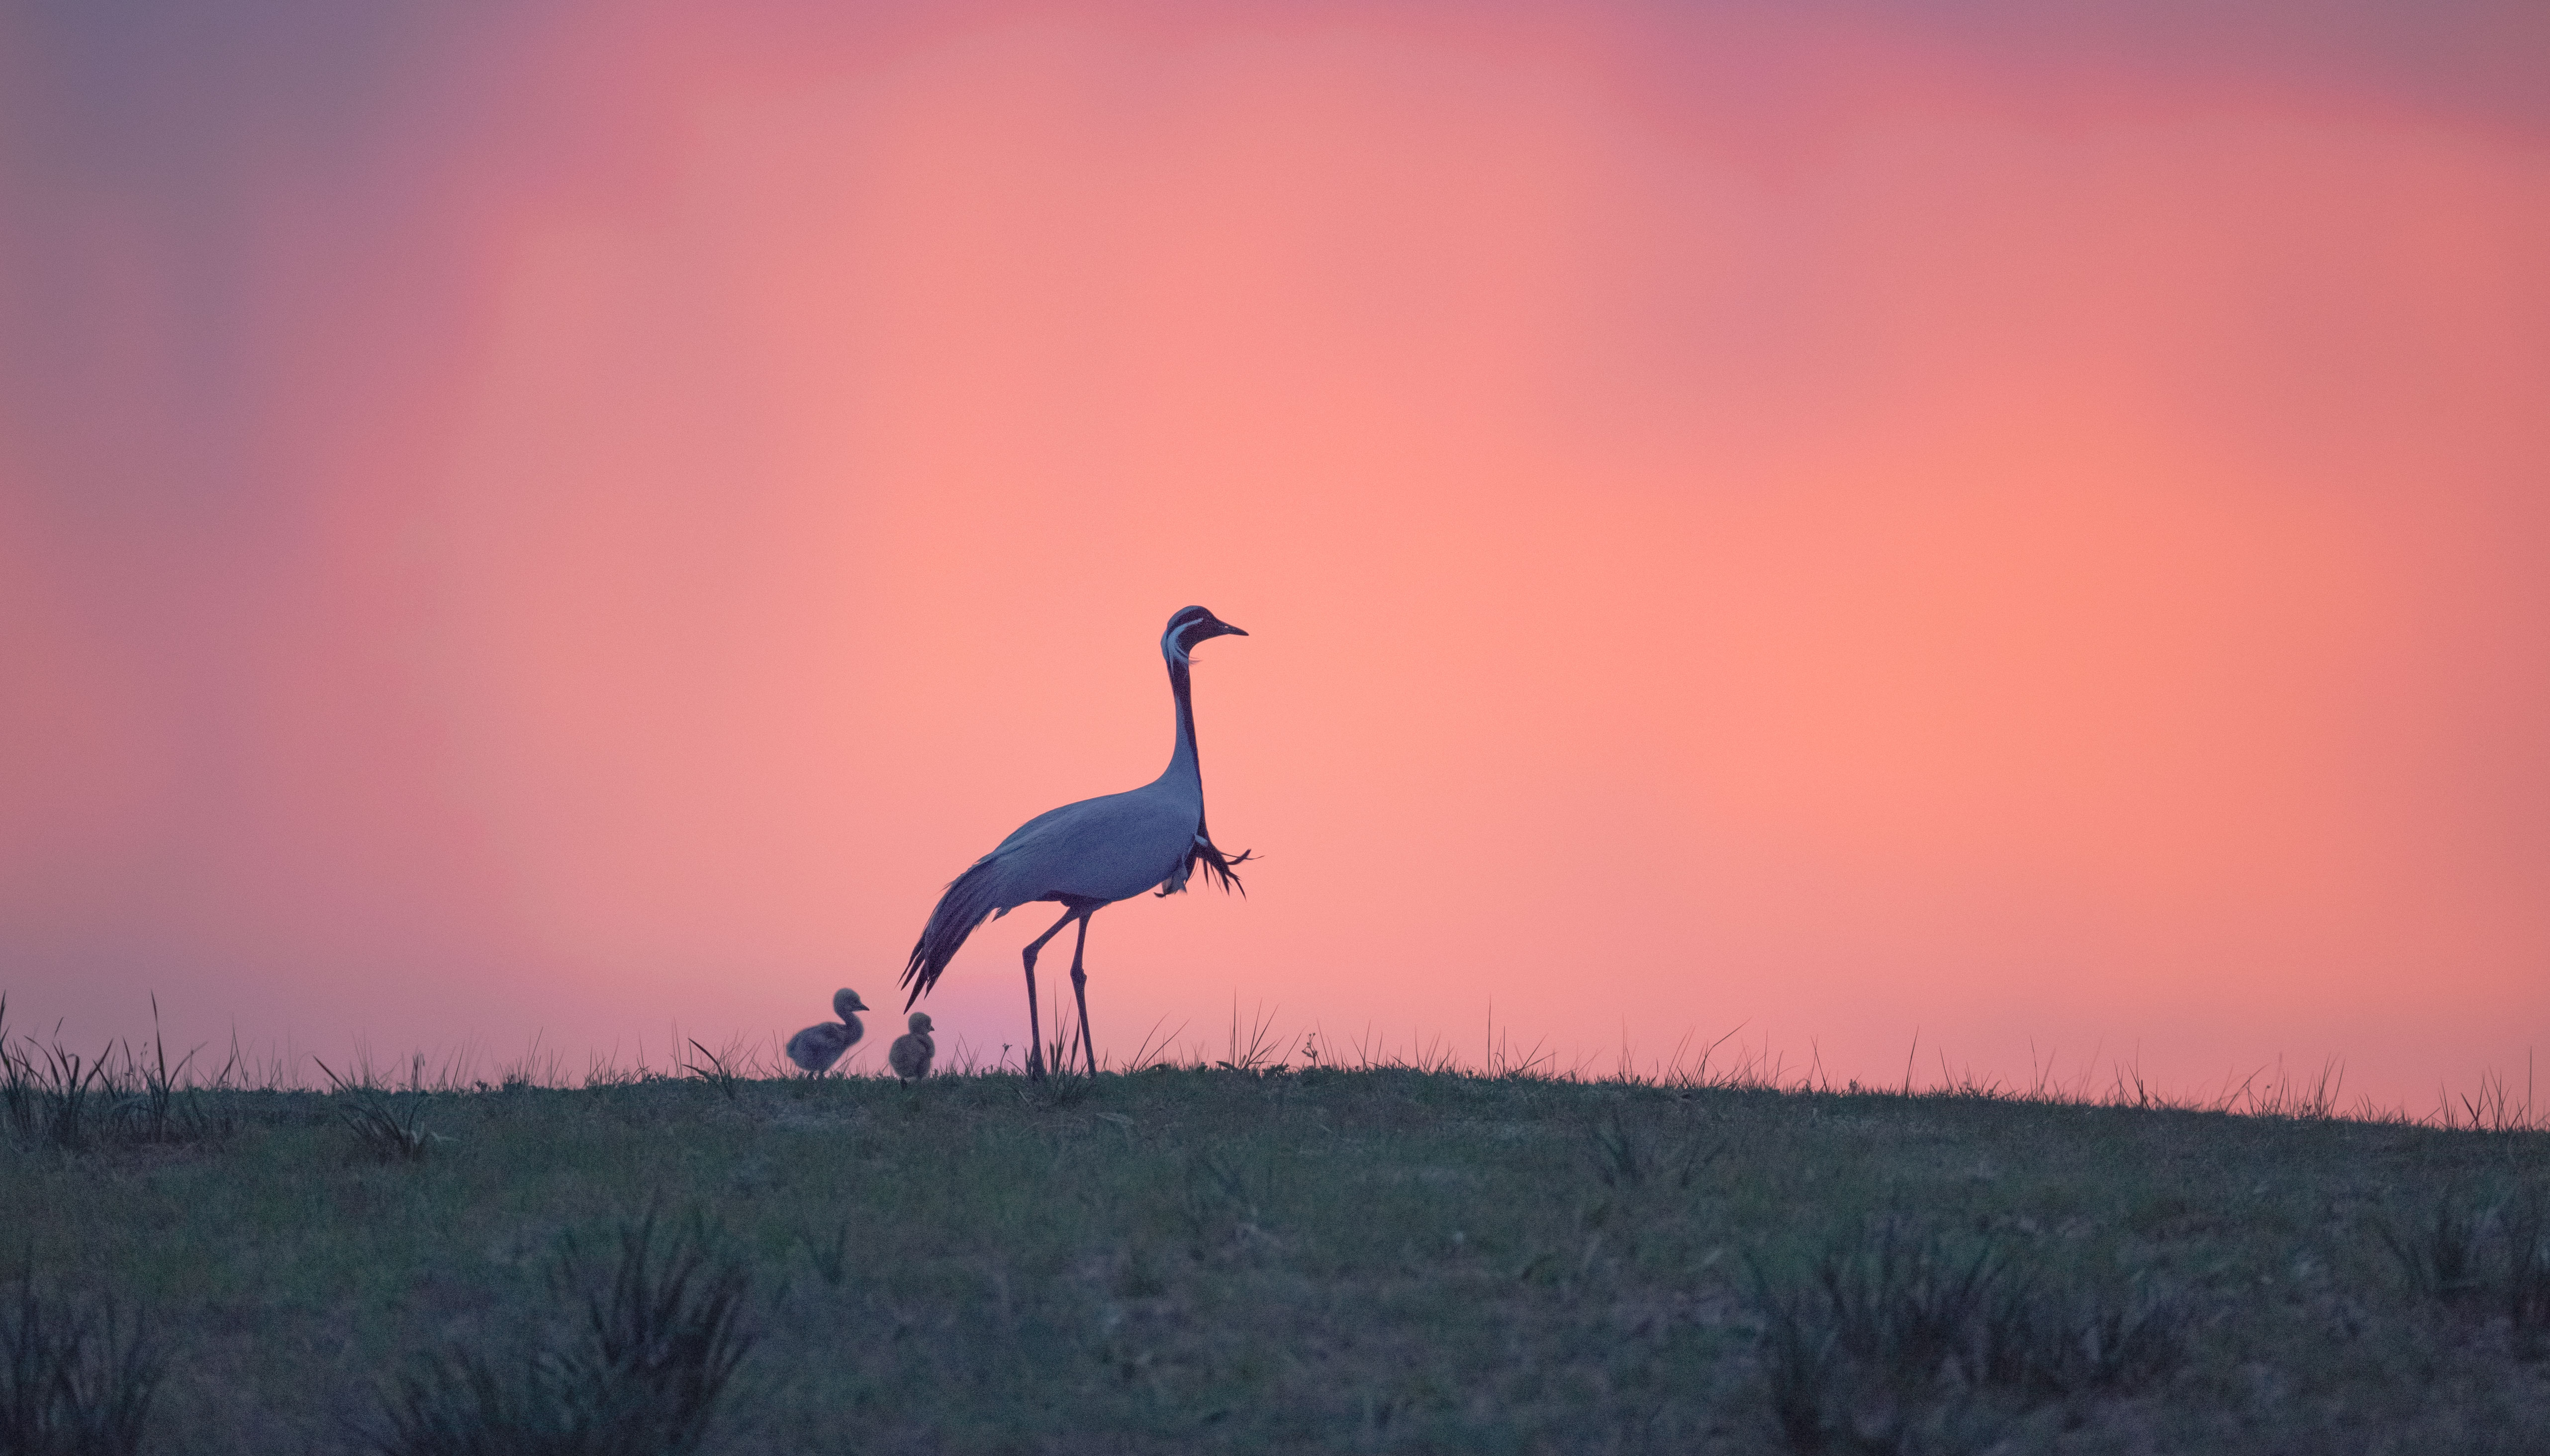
1090 854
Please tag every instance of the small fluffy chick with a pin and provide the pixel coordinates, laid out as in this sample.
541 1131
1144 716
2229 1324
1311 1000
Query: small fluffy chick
819 1046
911 1054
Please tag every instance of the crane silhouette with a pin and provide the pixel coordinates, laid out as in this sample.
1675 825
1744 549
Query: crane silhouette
820 1045
1090 854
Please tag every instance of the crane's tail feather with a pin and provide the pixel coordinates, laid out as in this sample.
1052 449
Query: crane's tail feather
1216 865
971 898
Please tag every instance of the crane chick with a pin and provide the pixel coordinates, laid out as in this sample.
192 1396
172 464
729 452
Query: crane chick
911 1054
819 1046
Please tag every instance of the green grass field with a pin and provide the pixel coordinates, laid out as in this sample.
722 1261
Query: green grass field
1193 1259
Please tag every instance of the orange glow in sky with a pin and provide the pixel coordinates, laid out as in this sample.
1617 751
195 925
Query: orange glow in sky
1792 518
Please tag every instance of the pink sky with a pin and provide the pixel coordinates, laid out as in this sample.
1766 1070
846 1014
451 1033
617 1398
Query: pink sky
1782 518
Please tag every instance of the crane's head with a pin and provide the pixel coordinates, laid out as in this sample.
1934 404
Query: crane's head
920 1023
1189 625
846 1000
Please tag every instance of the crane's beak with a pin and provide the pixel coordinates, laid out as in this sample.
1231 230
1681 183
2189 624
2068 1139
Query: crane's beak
1227 630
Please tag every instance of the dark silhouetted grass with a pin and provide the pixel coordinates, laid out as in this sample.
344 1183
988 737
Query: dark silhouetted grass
717 1069
52 1095
2440 1255
1899 1340
154 1103
76 1378
2488 1257
388 1125
662 1335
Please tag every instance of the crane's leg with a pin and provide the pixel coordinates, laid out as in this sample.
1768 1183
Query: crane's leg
1035 1050
1080 989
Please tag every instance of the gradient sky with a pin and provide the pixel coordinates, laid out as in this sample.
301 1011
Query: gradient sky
1814 521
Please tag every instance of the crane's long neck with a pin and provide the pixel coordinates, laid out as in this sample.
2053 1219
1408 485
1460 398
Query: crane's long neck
1183 768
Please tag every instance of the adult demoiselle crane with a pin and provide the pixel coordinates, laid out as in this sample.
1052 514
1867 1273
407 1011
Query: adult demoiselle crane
1090 854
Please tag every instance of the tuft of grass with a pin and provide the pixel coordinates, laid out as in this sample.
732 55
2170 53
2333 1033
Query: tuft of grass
717 1070
1055 1090
56 1097
74 1381
1152 1052
645 1370
49 1093
1895 1333
2492 1258
1261 1053
156 1103
1625 1159
387 1124
1062 1047
2494 1107
2439 1256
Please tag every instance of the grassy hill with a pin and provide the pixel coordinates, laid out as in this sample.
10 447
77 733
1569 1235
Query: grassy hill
1188 1259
